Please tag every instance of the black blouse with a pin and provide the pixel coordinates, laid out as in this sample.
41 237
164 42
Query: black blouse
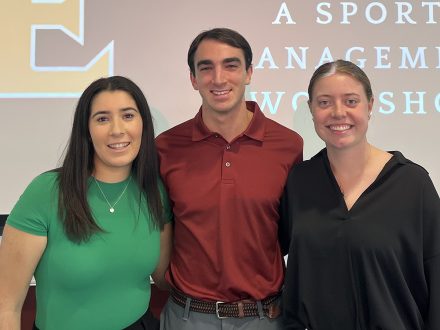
375 266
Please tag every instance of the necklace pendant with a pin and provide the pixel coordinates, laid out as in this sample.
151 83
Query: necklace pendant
112 209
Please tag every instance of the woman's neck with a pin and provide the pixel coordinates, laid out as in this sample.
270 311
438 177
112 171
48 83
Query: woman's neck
111 176
352 162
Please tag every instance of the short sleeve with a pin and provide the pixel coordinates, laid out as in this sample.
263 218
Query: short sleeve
32 211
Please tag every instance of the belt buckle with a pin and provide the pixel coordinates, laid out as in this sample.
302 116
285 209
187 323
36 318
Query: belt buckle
217 303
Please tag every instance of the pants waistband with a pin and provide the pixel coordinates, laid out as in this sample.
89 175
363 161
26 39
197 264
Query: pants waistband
267 307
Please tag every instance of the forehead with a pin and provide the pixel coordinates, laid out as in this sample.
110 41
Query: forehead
338 83
109 100
215 50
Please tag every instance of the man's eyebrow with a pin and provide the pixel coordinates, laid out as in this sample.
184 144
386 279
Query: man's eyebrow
203 62
231 59
226 60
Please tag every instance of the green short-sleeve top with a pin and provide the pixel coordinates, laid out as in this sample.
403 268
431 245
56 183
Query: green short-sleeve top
103 283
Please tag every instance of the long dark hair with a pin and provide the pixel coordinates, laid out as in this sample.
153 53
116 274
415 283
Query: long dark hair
73 208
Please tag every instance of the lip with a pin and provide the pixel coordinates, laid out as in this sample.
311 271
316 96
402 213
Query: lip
119 146
220 93
339 128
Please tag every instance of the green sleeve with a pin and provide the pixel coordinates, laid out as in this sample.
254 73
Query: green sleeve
36 206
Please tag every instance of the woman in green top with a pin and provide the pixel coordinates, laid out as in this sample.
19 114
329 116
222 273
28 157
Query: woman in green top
93 230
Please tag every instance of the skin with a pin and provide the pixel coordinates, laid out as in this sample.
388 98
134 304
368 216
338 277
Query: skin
221 78
166 247
19 256
341 112
116 129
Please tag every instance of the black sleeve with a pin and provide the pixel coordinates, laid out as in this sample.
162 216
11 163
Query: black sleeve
431 220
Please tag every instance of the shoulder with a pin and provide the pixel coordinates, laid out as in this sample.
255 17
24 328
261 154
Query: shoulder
283 140
311 169
43 184
274 128
37 205
43 189
409 169
407 180
178 132
284 143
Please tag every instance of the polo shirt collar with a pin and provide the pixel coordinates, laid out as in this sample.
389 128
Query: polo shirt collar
200 131
254 131
256 128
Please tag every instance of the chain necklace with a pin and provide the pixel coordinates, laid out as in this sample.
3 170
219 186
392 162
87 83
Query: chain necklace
112 207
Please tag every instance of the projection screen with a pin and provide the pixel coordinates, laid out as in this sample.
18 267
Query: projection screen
51 50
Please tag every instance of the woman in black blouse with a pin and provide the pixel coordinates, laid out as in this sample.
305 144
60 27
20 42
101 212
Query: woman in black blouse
365 223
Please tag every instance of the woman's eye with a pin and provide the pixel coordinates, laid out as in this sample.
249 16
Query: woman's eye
101 119
128 115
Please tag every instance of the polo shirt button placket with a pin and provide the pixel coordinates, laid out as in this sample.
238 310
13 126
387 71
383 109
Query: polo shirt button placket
228 148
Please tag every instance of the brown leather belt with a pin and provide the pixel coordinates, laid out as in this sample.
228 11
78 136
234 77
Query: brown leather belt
242 308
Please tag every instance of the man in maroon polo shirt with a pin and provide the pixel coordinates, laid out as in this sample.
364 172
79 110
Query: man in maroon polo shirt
225 170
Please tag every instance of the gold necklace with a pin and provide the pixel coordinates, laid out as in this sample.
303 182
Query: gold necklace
112 207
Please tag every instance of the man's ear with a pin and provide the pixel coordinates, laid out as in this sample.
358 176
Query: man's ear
249 73
193 81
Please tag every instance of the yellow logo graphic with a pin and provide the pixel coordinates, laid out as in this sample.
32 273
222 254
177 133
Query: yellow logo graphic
21 76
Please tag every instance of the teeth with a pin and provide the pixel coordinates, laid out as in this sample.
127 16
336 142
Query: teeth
118 145
339 127
220 92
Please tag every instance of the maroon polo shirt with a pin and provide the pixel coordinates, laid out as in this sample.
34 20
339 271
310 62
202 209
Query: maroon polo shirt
225 199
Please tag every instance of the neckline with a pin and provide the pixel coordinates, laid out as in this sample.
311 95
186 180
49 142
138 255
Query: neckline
113 192
395 159
110 184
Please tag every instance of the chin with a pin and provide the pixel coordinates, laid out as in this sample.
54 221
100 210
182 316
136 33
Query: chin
119 164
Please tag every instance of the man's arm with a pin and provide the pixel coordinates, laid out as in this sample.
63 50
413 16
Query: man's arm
166 246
